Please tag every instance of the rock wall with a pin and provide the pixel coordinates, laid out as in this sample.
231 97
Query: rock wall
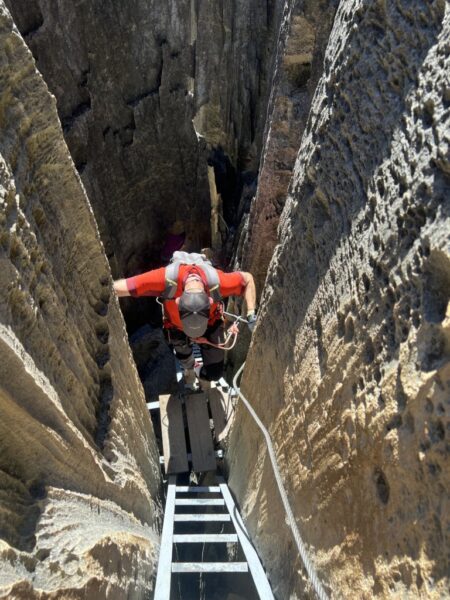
300 52
144 90
79 473
349 365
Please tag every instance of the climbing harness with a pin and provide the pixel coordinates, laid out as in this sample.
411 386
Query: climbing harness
231 335
317 585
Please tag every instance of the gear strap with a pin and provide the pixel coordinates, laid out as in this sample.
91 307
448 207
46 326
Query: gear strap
194 259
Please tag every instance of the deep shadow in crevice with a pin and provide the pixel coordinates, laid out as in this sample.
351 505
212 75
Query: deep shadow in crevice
20 510
28 21
229 183
105 397
381 485
436 288
101 355
69 120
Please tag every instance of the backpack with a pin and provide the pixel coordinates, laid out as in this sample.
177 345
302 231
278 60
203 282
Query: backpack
199 260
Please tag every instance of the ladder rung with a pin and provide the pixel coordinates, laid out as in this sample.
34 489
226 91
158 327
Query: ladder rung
217 454
200 501
152 405
192 538
203 517
224 567
199 489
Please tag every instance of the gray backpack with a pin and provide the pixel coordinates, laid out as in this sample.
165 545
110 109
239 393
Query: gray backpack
199 260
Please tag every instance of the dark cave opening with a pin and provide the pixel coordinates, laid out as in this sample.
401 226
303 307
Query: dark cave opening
227 183
231 183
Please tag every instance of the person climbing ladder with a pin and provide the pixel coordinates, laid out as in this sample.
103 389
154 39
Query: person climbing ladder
191 290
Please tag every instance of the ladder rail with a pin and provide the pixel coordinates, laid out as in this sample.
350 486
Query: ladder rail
166 566
164 574
252 558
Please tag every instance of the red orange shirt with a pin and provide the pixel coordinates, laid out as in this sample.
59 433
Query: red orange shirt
153 283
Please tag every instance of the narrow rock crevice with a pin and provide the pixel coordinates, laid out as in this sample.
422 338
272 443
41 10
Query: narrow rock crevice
304 141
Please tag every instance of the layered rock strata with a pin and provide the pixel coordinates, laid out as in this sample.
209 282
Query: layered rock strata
79 500
349 365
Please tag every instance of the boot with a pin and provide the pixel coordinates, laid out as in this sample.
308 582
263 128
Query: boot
189 378
205 385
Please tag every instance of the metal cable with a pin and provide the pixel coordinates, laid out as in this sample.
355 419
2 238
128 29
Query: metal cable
318 587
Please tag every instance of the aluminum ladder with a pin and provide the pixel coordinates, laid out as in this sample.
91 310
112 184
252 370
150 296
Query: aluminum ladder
166 566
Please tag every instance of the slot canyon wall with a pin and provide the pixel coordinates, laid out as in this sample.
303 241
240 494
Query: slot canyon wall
79 476
349 364
350 219
145 95
298 67
146 92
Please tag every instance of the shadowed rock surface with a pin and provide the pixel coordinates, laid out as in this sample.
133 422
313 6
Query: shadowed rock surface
79 499
349 366
145 92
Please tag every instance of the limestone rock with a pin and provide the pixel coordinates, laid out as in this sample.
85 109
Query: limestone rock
302 41
79 476
349 365
144 89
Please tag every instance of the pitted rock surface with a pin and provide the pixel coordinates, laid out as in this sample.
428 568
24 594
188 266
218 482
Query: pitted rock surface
349 366
79 503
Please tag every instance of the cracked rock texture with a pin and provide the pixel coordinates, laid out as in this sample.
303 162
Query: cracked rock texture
145 90
79 476
349 366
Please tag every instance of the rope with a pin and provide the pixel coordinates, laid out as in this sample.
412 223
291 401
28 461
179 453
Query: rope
233 330
318 588
223 346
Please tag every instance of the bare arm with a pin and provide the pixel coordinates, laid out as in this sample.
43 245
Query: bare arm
120 287
249 292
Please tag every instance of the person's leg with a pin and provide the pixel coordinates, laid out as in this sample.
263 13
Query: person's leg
182 346
213 358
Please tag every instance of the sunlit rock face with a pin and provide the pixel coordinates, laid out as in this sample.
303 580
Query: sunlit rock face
145 90
349 365
300 52
79 475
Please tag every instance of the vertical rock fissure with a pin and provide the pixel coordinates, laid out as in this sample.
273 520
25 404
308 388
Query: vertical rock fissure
309 139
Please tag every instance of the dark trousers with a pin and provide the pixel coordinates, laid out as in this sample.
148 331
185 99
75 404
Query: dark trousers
213 358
